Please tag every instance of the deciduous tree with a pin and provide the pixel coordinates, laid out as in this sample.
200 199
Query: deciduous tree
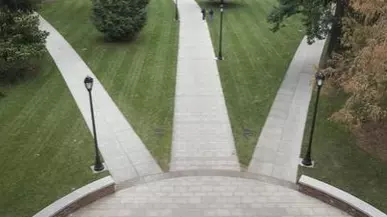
319 17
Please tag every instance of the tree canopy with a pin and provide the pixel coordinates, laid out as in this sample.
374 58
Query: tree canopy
23 5
120 19
360 68
319 16
21 41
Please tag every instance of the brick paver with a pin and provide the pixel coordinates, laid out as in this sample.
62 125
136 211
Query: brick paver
208 196
278 149
123 151
202 136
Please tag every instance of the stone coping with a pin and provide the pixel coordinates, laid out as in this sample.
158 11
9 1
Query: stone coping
338 198
210 172
79 198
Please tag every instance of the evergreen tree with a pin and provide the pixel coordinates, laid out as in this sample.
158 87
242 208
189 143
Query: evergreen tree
21 41
119 19
22 5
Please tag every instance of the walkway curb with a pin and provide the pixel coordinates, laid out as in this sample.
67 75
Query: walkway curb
337 198
79 198
209 172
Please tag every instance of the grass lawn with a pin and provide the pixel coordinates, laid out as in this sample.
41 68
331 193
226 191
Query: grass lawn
255 63
339 161
139 75
45 146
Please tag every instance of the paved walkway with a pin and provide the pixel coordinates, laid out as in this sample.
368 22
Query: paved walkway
202 136
124 153
278 149
208 196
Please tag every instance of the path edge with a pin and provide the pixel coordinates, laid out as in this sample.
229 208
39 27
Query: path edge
204 172
79 198
337 198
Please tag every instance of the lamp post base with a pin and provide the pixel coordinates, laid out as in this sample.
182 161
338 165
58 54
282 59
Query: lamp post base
217 58
92 167
306 164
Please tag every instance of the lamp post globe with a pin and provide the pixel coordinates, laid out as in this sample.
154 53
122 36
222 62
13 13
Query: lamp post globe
88 83
319 79
307 160
98 166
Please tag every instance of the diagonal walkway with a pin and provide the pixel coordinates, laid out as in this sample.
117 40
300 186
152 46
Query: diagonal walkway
123 151
202 136
279 145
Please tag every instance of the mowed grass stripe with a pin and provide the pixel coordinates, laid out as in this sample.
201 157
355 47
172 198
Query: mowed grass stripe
137 74
31 109
40 160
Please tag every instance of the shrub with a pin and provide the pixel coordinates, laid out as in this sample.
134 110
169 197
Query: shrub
119 19
21 42
23 5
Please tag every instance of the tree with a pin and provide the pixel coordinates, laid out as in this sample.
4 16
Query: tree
119 19
360 68
318 18
21 41
23 5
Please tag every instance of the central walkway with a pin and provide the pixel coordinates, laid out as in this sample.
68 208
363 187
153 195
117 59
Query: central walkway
202 136
202 196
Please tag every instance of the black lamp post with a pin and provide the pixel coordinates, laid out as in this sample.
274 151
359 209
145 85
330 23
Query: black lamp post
307 161
98 166
176 11
220 57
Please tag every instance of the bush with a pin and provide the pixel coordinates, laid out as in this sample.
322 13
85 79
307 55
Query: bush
21 42
23 5
119 19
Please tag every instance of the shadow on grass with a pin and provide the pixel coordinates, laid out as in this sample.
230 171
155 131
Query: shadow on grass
101 39
226 5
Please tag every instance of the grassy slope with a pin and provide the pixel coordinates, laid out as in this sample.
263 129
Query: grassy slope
339 161
45 147
139 75
255 62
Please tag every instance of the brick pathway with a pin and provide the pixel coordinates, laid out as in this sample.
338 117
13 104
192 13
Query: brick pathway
278 149
202 136
123 151
208 196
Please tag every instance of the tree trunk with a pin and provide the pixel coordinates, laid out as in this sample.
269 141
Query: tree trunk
334 42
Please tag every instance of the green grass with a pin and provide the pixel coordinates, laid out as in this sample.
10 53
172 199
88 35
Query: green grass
255 63
139 75
339 161
45 146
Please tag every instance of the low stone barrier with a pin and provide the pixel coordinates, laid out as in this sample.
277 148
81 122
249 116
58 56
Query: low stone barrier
79 198
338 198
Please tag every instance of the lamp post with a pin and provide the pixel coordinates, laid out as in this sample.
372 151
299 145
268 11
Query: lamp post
176 11
220 57
307 161
98 166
